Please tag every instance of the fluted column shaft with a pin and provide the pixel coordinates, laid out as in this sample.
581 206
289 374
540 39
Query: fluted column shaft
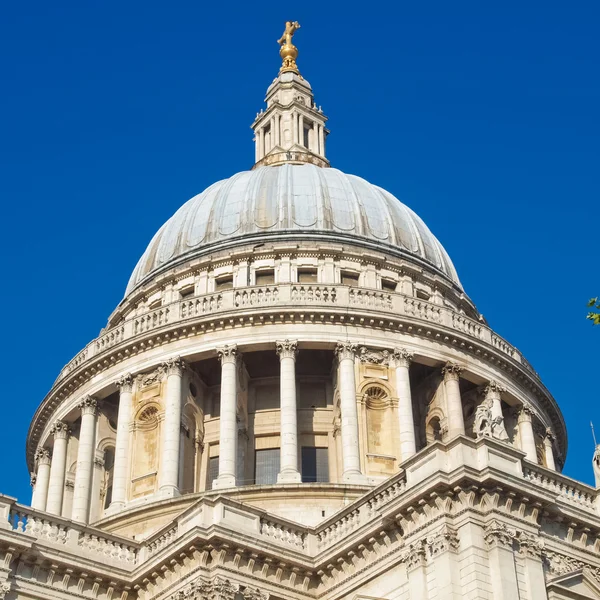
85 460
351 472
40 496
121 466
288 464
171 447
228 419
456 420
401 360
526 434
58 468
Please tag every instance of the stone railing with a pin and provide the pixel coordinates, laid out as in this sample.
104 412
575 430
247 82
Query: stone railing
569 490
77 539
283 533
292 295
161 540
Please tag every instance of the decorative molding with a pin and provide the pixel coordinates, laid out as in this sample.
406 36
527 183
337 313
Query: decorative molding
415 556
4 589
88 406
147 379
228 354
203 589
287 349
32 479
346 350
530 546
493 389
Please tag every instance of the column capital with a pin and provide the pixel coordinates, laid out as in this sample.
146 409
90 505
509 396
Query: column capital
32 479
415 555
175 366
125 384
451 371
228 354
549 437
497 534
401 357
42 456
525 414
88 406
493 389
60 430
346 350
287 349
444 540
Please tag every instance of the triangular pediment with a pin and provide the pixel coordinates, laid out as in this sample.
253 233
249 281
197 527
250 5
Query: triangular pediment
577 585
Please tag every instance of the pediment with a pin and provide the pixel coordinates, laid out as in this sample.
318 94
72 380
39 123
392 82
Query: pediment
577 585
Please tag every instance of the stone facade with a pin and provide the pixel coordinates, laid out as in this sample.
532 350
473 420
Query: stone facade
299 414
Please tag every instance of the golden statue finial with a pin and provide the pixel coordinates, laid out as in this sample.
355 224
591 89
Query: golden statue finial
288 52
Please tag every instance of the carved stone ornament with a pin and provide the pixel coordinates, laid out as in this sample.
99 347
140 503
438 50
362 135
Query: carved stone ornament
402 357
228 354
414 556
4 588
486 424
529 545
287 349
451 371
32 479
525 414
202 589
345 350
497 534
559 564
42 456
125 384
175 366
60 430
374 357
550 435
147 379
493 389
254 594
443 540
88 405
70 485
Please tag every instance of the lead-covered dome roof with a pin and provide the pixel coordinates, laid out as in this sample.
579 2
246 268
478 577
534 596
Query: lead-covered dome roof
293 202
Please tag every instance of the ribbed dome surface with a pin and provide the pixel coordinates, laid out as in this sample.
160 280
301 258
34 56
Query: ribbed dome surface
291 202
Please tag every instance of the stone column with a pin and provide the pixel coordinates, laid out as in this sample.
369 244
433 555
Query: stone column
42 458
315 138
442 549
530 550
548 449
58 468
456 420
277 130
401 359
261 142
301 130
416 571
121 466
526 433
321 140
85 460
349 414
288 465
228 419
171 448
493 393
294 128
503 573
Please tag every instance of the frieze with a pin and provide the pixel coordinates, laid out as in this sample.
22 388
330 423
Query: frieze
147 379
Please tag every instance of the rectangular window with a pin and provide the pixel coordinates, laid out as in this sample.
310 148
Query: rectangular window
388 285
315 465
213 471
307 275
305 137
155 304
422 295
224 283
349 278
266 466
265 277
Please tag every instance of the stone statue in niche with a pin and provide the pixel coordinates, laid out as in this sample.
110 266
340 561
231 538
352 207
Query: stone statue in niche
486 424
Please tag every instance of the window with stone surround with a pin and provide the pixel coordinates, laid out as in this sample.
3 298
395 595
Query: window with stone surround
350 278
307 275
225 282
265 277
388 285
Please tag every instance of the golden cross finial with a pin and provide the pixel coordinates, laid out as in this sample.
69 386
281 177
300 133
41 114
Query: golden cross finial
288 51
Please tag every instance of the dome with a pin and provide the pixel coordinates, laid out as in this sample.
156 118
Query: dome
292 202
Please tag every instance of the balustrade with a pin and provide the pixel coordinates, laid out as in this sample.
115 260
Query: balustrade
290 295
567 489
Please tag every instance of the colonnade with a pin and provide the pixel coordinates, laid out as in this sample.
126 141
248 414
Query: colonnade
51 469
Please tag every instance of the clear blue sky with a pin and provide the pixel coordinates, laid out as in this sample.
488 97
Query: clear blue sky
483 118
